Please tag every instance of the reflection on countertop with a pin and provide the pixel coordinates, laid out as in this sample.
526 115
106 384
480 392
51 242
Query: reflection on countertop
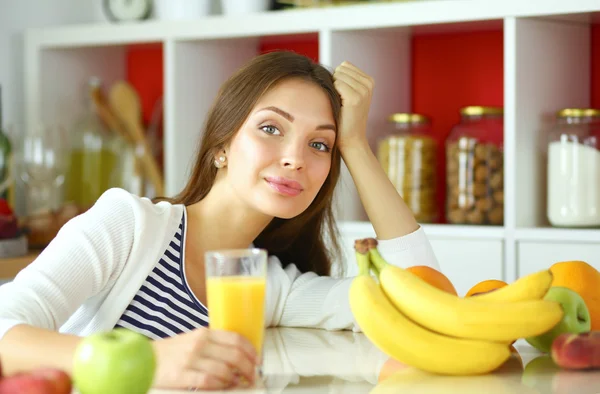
319 361
306 360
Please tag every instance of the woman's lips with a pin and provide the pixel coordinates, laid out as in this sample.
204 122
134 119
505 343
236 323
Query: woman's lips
284 186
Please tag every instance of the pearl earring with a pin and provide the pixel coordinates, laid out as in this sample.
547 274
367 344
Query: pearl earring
220 163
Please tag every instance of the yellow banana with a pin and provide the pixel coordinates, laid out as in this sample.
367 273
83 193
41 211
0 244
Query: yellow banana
375 271
404 340
529 287
459 317
413 381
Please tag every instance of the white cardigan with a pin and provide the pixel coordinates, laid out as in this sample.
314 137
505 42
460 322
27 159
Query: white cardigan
84 279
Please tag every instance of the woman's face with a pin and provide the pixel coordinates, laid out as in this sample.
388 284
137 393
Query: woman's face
281 156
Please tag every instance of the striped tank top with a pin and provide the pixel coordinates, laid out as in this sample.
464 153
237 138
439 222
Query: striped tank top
165 306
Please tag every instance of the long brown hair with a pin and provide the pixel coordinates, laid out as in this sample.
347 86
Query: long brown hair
308 240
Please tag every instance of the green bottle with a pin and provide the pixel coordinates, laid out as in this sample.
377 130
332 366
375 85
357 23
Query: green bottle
6 178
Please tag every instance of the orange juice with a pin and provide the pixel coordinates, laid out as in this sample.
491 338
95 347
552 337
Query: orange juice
237 303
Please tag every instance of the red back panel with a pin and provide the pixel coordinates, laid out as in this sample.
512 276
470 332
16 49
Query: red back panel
450 71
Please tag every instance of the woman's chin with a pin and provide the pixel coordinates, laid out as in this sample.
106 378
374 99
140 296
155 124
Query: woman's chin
285 213
285 210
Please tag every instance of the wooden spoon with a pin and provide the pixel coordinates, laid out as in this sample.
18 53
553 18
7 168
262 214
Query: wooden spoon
125 103
106 114
114 124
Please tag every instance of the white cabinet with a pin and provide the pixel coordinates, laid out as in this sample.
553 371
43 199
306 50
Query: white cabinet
551 61
550 58
464 260
469 261
194 71
534 256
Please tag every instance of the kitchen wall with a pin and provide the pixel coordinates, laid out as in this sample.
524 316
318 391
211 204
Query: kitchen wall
15 17
18 15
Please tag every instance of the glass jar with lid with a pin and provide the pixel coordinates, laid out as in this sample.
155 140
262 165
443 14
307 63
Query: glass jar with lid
407 154
573 169
95 157
475 167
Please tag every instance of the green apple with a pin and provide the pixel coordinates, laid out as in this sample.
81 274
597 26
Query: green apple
538 373
576 317
116 362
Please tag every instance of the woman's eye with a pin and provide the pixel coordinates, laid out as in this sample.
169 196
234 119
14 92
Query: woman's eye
270 130
320 146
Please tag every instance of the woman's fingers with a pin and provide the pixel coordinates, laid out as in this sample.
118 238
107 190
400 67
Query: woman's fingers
357 74
353 83
235 358
352 93
193 379
219 369
355 78
232 339
344 87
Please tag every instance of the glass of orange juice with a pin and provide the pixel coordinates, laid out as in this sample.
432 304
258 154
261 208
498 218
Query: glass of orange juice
236 282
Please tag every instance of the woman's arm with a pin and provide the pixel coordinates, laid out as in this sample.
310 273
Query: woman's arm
83 259
390 216
25 348
203 358
296 299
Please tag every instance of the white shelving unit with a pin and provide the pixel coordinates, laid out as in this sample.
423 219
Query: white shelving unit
546 67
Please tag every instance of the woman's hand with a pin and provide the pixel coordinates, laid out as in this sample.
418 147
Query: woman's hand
204 359
356 89
390 216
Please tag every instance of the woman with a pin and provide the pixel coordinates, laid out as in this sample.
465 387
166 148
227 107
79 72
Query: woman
266 170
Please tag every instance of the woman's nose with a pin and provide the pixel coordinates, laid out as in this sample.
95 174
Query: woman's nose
293 157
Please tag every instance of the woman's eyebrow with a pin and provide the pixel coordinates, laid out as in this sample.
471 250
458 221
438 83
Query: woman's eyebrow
291 118
279 111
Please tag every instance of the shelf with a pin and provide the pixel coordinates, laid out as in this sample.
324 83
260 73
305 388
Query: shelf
10 267
552 65
466 231
558 235
356 17
432 230
532 57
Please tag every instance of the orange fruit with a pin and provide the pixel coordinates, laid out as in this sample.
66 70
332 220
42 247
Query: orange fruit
433 277
485 287
584 279
389 368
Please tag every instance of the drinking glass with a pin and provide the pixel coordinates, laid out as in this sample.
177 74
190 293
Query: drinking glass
41 161
236 282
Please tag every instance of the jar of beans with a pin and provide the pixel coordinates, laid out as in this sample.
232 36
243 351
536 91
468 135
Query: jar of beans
407 153
475 168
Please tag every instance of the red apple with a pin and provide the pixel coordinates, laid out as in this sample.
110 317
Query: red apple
25 384
5 208
9 227
59 379
577 351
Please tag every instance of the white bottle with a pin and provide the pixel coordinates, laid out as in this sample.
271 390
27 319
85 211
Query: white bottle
573 184
573 175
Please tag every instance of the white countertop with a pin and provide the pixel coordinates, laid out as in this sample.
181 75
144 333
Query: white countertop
318 361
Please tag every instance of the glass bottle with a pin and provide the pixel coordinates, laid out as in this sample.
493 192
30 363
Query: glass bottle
573 169
7 184
95 152
475 167
408 156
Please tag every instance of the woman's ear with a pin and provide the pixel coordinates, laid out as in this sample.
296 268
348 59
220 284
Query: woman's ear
220 158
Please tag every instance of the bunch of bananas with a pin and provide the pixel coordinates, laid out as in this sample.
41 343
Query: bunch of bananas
430 329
